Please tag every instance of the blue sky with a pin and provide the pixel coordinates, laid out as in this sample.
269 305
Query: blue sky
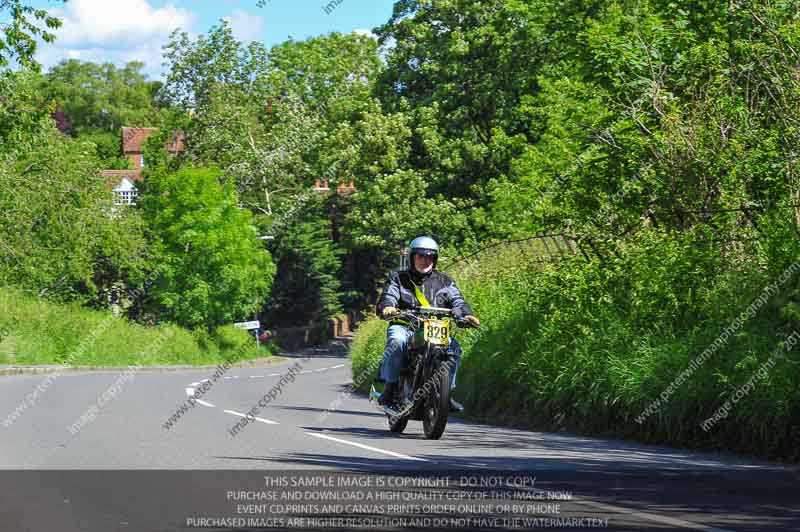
122 30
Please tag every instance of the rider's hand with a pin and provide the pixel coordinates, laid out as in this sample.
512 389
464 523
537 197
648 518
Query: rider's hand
473 321
388 312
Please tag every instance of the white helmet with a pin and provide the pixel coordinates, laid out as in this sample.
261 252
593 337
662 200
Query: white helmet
424 245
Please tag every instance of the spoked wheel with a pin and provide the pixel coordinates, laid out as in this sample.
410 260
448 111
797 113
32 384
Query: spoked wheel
398 424
437 404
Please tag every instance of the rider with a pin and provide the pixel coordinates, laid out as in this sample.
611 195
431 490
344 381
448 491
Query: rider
401 293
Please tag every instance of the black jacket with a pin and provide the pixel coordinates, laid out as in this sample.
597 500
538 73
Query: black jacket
439 289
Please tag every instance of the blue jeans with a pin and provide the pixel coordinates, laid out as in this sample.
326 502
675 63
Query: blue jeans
395 354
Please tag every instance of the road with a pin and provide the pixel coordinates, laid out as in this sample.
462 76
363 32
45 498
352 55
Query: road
70 463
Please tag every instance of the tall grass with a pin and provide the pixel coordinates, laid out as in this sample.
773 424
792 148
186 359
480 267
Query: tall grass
367 349
37 332
589 346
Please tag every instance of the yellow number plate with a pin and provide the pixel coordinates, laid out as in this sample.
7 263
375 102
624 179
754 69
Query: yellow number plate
437 332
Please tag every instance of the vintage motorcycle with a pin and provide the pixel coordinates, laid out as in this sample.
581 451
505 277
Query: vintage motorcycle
424 383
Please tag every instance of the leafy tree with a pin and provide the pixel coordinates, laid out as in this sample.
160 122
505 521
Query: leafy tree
214 270
461 70
394 208
103 97
666 113
307 284
23 113
195 67
108 148
322 71
77 250
98 100
19 33
277 122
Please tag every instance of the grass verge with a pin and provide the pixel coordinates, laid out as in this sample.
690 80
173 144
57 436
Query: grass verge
36 332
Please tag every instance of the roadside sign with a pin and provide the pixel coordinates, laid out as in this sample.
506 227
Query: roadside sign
248 325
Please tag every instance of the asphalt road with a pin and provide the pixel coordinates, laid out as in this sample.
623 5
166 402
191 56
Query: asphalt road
70 461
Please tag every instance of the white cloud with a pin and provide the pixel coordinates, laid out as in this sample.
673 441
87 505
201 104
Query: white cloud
366 32
117 24
114 31
246 26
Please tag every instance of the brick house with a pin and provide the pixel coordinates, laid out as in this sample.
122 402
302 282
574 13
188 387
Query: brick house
123 182
344 189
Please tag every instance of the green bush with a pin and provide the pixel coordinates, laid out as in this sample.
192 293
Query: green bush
366 350
590 346
40 332
213 268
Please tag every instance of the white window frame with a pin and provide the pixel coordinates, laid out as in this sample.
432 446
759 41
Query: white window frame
125 193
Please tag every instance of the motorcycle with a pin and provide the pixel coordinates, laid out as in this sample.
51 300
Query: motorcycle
424 383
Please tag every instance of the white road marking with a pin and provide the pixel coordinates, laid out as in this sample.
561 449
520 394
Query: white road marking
332 367
272 374
190 392
267 421
367 447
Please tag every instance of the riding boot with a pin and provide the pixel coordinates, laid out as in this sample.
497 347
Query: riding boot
388 397
455 406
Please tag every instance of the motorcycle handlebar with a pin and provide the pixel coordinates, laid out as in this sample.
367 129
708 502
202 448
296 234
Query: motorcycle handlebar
431 311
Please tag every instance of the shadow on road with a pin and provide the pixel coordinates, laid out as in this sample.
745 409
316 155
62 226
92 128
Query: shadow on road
730 499
324 410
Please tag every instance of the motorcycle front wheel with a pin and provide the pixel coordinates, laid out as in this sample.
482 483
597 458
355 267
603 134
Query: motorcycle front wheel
398 424
437 404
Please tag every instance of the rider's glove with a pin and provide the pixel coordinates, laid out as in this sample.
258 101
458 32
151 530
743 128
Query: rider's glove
473 320
388 312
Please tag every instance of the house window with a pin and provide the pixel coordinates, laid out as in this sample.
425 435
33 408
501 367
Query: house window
125 197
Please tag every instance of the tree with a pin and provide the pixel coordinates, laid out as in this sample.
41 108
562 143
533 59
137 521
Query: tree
395 207
195 67
275 123
23 112
308 282
98 100
102 98
77 250
214 270
461 70
18 35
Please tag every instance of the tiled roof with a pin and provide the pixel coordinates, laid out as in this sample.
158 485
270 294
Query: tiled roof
133 138
113 177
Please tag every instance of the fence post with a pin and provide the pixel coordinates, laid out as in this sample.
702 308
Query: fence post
543 238
558 247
